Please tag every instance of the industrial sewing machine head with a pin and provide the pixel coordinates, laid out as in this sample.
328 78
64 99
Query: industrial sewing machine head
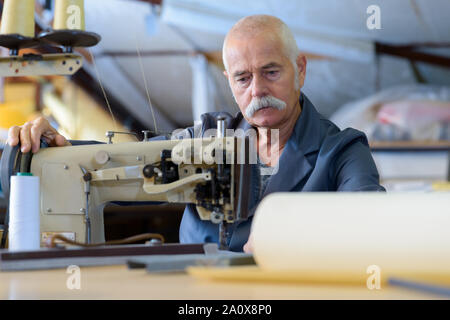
76 182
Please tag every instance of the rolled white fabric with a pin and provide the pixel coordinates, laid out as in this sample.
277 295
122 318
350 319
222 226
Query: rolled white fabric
340 235
24 221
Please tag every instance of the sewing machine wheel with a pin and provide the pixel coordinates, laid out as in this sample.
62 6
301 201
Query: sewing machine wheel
7 167
70 38
12 161
15 42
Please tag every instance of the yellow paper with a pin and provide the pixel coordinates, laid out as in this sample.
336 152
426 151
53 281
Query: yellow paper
256 274
441 186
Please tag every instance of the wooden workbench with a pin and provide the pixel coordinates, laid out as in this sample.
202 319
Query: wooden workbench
119 282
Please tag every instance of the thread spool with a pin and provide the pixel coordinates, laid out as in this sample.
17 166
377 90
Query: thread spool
69 15
18 18
24 220
68 27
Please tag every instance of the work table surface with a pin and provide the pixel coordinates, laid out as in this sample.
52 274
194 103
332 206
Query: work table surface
119 282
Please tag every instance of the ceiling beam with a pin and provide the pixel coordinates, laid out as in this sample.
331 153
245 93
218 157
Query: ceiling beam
157 2
410 52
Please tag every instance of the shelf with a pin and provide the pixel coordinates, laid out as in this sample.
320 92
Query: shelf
442 145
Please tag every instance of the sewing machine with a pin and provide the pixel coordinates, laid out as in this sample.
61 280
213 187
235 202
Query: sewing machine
76 182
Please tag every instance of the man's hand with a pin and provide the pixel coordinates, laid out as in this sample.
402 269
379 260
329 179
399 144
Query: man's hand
30 133
248 247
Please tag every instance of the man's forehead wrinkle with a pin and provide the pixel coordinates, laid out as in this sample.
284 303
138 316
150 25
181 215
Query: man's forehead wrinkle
245 35
261 41
241 69
243 57
271 65
237 58
240 72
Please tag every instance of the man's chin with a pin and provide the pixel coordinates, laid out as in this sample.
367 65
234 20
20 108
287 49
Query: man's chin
267 117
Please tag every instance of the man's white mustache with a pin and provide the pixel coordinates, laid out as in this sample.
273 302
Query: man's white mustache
266 101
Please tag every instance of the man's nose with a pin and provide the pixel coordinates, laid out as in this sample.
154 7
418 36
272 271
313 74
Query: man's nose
259 88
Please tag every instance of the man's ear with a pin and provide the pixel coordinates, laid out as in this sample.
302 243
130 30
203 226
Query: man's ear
301 65
225 73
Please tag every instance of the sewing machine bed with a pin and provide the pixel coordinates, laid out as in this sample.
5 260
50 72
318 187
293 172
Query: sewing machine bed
97 256
180 262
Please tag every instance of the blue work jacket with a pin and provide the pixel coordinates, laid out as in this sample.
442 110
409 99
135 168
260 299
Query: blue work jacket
317 157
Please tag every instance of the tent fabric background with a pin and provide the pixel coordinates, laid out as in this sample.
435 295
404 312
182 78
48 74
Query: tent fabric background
335 30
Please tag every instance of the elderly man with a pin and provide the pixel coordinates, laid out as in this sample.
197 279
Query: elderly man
266 72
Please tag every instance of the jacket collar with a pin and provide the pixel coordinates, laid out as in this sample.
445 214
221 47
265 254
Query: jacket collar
306 136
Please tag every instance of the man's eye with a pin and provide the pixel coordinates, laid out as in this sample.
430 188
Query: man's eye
272 73
242 80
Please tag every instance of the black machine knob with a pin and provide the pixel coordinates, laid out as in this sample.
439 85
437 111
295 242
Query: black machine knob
149 171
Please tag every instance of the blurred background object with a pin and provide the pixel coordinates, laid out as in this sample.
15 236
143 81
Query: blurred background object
402 113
